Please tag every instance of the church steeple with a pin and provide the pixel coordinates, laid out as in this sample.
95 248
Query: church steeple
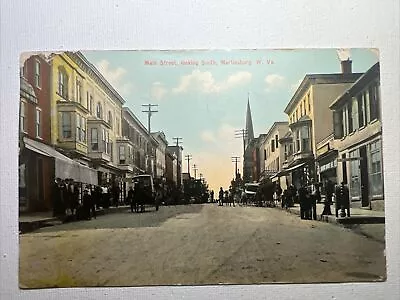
249 124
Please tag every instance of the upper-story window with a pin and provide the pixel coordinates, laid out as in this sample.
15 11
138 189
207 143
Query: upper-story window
122 154
37 74
109 119
66 125
38 123
309 103
99 111
305 139
94 134
272 145
78 91
90 107
62 83
22 116
374 100
80 128
276 141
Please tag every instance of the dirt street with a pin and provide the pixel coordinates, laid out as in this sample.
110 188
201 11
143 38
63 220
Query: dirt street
197 244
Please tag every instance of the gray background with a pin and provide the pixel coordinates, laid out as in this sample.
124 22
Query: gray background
189 24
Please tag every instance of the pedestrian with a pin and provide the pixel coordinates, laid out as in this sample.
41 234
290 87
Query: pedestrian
342 200
314 199
87 204
302 194
329 189
92 204
130 199
221 196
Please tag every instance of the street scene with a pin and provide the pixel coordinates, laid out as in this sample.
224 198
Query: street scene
200 167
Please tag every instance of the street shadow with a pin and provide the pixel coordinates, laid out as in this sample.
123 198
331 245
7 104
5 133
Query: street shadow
126 219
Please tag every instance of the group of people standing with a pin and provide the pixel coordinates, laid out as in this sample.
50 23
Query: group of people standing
226 197
76 201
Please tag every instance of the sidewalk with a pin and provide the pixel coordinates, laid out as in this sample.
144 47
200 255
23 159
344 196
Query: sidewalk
32 221
369 223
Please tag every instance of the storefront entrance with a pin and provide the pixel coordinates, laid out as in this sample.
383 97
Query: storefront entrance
364 177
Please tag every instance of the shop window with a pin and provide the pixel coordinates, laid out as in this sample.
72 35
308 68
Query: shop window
355 181
375 169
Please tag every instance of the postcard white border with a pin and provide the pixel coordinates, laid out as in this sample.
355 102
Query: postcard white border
190 24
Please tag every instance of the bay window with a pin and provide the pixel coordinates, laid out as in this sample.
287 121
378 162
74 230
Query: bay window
94 139
22 117
66 125
305 139
122 154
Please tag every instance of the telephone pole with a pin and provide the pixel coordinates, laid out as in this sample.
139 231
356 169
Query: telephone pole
149 112
195 170
178 141
188 158
235 159
242 134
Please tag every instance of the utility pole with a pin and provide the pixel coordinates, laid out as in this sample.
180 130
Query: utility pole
195 170
149 112
242 134
178 141
235 159
188 158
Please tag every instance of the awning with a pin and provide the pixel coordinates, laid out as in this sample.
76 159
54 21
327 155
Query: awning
294 167
64 166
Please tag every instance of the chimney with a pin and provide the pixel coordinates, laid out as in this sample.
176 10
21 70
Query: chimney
346 66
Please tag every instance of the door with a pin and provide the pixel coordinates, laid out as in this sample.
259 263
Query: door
364 176
40 204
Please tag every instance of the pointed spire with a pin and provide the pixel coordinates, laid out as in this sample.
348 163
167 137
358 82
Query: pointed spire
249 123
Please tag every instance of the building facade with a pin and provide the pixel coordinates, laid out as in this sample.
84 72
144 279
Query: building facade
36 167
160 154
274 151
310 120
358 137
86 117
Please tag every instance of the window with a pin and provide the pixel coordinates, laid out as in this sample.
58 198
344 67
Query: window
122 155
78 128
309 103
99 111
62 83
37 73
305 139
109 119
374 99
78 91
95 139
375 169
104 140
355 184
361 110
338 124
22 117
38 122
90 104
66 125
272 146
276 141
354 112
87 100
265 154
297 145
117 125
367 106
286 152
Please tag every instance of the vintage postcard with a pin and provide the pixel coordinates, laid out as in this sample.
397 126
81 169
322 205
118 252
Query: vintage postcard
143 168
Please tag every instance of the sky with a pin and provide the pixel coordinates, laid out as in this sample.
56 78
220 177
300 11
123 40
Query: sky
202 95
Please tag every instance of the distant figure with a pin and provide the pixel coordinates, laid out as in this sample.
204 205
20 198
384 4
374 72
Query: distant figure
329 189
342 200
87 203
212 196
131 200
302 193
221 196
